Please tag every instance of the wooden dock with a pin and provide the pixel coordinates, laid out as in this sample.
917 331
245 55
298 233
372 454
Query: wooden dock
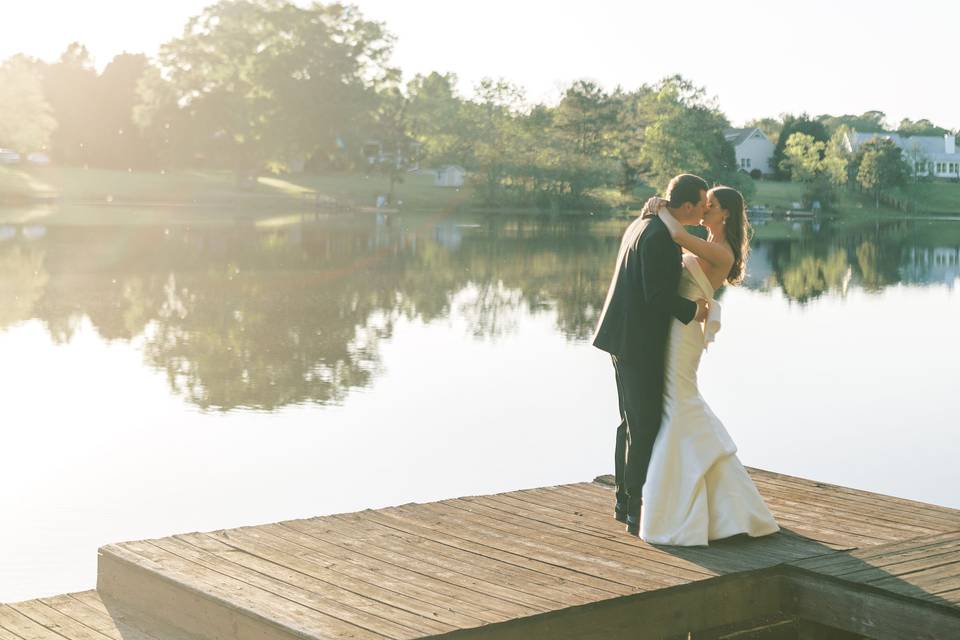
538 563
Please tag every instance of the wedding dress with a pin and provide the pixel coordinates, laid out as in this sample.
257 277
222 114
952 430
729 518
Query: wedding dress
696 488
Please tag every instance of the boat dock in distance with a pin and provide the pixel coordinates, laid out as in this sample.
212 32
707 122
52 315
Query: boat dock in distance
538 563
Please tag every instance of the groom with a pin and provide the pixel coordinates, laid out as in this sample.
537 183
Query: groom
633 328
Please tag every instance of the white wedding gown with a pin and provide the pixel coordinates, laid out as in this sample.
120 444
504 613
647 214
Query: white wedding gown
696 488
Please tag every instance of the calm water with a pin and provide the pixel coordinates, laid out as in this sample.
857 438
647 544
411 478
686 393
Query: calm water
168 379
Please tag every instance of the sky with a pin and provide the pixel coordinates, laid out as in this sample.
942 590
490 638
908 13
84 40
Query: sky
758 58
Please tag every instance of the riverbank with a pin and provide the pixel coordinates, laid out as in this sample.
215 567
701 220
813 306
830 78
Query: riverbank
28 186
929 198
78 186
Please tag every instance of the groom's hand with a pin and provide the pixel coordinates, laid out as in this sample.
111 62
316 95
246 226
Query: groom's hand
702 308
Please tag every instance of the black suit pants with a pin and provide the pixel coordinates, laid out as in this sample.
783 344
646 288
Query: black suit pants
640 392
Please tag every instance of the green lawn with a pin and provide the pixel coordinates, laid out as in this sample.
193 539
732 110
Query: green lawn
934 197
102 185
215 188
416 192
929 197
776 195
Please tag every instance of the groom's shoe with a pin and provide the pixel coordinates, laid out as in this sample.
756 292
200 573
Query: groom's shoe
620 512
632 519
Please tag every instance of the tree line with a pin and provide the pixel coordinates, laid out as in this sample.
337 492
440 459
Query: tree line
265 85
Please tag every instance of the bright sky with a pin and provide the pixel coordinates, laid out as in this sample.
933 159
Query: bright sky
758 58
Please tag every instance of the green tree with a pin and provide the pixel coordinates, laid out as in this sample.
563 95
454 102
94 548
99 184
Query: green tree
391 127
791 125
584 117
633 115
436 117
921 127
867 122
881 167
837 159
265 81
805 161
494 130
803 157
26 118
686 135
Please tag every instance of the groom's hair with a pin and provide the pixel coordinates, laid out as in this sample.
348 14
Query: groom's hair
686 187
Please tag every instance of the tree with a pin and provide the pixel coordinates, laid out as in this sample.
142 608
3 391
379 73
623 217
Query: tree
791 125
26 118
803 157
837 159
264 81
633 116
584 117
921 127
436 117
392 125
70 85
686 136
117 142
805 161
881 166
867 122
494 130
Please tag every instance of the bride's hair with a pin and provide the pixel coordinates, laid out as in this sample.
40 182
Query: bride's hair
737 230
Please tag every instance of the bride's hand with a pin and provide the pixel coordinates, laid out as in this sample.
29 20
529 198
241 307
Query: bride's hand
652 207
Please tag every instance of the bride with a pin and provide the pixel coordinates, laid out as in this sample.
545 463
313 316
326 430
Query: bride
696 489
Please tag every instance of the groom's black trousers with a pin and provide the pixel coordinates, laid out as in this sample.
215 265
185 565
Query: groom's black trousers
640 392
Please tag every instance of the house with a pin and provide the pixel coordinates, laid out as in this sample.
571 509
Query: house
926 155
753 148
451 175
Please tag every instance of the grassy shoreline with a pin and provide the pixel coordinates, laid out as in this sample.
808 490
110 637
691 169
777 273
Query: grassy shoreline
23 186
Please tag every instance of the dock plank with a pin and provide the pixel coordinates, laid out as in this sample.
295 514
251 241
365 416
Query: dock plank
90 617
482 567
639 577
57 621
427 583
237 597
603 584
399 594
23 627
325 531
322 597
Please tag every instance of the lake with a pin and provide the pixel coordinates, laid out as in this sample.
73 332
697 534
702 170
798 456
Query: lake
166 378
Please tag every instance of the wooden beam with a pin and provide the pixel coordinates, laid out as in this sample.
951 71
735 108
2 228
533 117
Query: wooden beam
866 610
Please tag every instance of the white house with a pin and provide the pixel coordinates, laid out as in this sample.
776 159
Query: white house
926 155
754 149
450 175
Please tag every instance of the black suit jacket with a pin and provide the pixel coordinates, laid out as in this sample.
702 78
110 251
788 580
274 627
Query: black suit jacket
635 321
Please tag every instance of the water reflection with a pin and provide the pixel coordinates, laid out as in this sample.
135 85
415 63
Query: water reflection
239 316
806 260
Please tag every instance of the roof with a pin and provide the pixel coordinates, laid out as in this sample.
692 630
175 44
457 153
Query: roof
932 147
736 137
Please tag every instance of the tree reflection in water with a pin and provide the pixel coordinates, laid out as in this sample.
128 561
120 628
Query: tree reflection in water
238 316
